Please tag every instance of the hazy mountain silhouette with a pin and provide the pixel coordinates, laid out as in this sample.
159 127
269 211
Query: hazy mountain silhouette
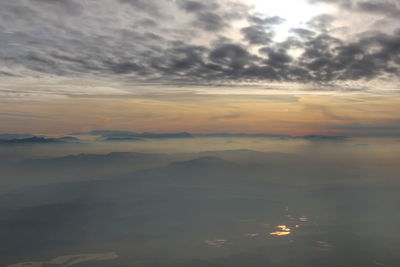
38 140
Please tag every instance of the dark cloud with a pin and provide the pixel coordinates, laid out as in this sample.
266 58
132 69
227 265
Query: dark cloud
70 7
150 7
321 22
230 55
304 33
260 31
257 35
210 15
7 74
378 6
192 6
267 21
147 23
186 57
276 58
210 21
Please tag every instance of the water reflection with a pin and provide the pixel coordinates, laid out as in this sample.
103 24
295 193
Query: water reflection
284 230
303 219
252 235
217 243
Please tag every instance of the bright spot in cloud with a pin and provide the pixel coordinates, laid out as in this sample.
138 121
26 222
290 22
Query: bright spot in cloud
295 12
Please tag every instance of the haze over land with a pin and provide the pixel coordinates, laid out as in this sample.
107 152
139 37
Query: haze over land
191 202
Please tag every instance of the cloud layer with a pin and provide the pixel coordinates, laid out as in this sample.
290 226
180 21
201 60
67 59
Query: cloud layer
191 42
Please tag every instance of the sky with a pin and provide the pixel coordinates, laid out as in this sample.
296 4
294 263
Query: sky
289 67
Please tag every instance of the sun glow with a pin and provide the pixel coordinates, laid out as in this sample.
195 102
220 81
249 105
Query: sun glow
296 13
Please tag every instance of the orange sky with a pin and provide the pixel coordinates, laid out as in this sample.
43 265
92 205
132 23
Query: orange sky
279 114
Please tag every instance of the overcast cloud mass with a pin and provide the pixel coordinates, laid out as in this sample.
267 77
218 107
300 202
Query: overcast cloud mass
189 42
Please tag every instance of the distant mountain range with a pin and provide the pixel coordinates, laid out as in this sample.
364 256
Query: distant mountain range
122 136
36 140
106 135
